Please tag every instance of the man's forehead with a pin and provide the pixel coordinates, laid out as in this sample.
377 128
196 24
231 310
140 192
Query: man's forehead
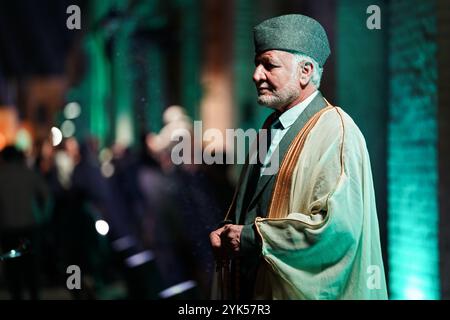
272 54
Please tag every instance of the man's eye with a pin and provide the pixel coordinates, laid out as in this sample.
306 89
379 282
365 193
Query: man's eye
269 66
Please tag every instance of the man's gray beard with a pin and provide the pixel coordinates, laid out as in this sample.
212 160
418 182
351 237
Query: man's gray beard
280 99
269 100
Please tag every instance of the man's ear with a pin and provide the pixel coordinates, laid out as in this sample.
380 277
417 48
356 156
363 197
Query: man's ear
306 71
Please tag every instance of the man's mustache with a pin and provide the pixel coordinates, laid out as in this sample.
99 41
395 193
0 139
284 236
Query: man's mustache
263 86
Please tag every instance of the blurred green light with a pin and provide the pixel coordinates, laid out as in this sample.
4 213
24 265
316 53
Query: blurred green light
68 129
23 140
412 148
72 110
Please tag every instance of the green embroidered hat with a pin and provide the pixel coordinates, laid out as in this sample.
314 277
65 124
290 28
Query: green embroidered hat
293 32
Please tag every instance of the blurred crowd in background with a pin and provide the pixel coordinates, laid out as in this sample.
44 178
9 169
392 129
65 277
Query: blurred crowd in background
124 216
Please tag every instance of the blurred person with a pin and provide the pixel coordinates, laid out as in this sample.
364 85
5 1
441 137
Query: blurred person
126 164
163 222
152 184
45 159
44 164
190 207
86 195
23 201
309 231
199 212
76 184
112 196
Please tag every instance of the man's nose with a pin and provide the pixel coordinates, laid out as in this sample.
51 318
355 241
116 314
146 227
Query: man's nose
259 74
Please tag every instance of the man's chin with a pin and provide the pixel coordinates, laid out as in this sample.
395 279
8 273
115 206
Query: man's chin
267 102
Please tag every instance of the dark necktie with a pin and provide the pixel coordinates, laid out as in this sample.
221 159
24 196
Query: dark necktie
276 125
256 168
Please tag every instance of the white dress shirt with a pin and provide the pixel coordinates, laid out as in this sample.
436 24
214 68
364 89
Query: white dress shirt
287 119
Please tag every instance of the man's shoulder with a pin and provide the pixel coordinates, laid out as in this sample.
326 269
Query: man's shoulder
336 122
336 116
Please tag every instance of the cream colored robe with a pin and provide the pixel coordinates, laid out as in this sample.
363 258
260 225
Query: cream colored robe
328 246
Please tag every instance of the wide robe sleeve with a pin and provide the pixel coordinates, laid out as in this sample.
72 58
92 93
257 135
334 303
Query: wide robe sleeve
327 246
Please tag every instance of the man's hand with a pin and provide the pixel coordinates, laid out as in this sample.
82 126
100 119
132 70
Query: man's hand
231 238
216 244
226 241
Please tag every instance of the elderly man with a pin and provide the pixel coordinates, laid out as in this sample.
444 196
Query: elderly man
310 231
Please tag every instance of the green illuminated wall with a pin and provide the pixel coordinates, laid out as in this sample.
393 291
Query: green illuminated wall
412 151
155 89
361 89
113 109
249 113
390 76
122 85
98 88
94 91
